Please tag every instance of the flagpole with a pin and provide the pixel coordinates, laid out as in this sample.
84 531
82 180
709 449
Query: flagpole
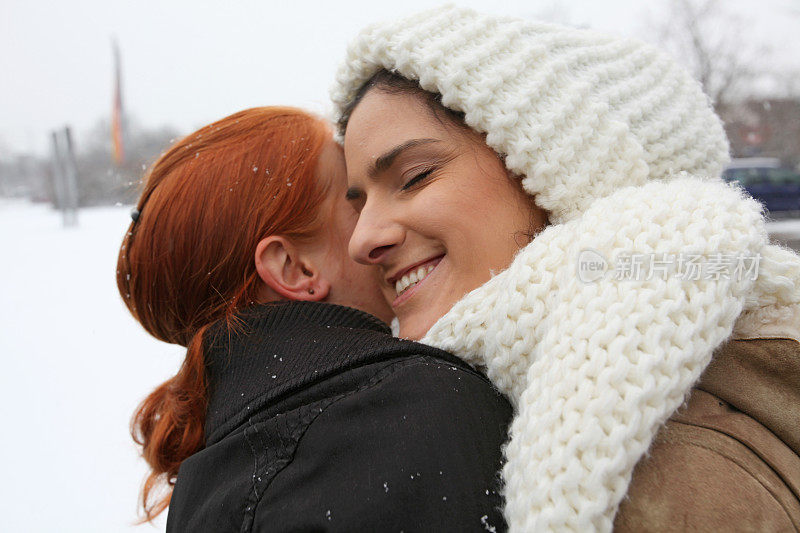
117 113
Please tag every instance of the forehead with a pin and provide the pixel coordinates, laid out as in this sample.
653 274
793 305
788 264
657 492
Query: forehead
384 120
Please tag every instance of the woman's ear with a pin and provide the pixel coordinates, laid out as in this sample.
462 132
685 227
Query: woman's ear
288 272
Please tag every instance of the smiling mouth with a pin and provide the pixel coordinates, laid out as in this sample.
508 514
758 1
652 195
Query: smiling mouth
415 275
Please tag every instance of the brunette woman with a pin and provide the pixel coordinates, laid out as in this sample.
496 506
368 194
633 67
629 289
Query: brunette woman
560 190
295 409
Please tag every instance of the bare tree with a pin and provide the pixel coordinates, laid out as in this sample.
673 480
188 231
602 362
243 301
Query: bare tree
715 45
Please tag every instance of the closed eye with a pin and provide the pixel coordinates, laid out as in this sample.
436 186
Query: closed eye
417 179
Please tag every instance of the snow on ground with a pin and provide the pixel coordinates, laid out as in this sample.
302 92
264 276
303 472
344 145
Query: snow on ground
74 366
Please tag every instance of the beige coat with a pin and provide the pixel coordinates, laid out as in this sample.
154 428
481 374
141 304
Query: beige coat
729 460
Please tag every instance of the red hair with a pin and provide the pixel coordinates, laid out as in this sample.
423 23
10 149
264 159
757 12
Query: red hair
188 261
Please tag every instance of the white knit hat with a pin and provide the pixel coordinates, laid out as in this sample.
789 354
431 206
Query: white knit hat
578 114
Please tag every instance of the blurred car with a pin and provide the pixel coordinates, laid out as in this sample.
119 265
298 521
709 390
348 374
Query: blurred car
777 187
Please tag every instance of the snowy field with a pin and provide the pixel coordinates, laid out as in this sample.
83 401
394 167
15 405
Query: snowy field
75 365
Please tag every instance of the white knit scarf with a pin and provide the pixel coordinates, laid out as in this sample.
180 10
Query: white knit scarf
593 369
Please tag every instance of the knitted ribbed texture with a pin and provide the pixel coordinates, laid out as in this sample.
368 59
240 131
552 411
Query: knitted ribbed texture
621 147
577 113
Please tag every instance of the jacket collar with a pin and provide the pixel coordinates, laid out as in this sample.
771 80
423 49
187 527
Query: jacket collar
274 350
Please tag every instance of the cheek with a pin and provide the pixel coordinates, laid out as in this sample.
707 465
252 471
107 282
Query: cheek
485 227
367 279
469 197
460 217
360 286
443 210
341 226
354 276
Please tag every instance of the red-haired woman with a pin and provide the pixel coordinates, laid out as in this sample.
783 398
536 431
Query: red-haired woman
295 409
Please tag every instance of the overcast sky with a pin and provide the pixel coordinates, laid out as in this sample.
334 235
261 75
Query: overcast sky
186 63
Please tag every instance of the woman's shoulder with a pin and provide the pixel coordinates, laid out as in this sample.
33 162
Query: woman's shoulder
439 389
419 395
727 460
421 434
418 433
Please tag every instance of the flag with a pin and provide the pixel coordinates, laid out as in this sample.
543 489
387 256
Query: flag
116 113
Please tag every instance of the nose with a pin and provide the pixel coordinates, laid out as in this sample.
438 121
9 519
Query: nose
374 236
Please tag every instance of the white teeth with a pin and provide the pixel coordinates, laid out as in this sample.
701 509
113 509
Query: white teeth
409 280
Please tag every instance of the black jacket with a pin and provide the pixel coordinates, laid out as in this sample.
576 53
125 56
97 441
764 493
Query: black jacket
319 420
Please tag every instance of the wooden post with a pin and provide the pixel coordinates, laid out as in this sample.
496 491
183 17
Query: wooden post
71 179
58 174
65 177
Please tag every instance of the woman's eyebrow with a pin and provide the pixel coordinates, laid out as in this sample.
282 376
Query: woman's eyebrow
385 161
